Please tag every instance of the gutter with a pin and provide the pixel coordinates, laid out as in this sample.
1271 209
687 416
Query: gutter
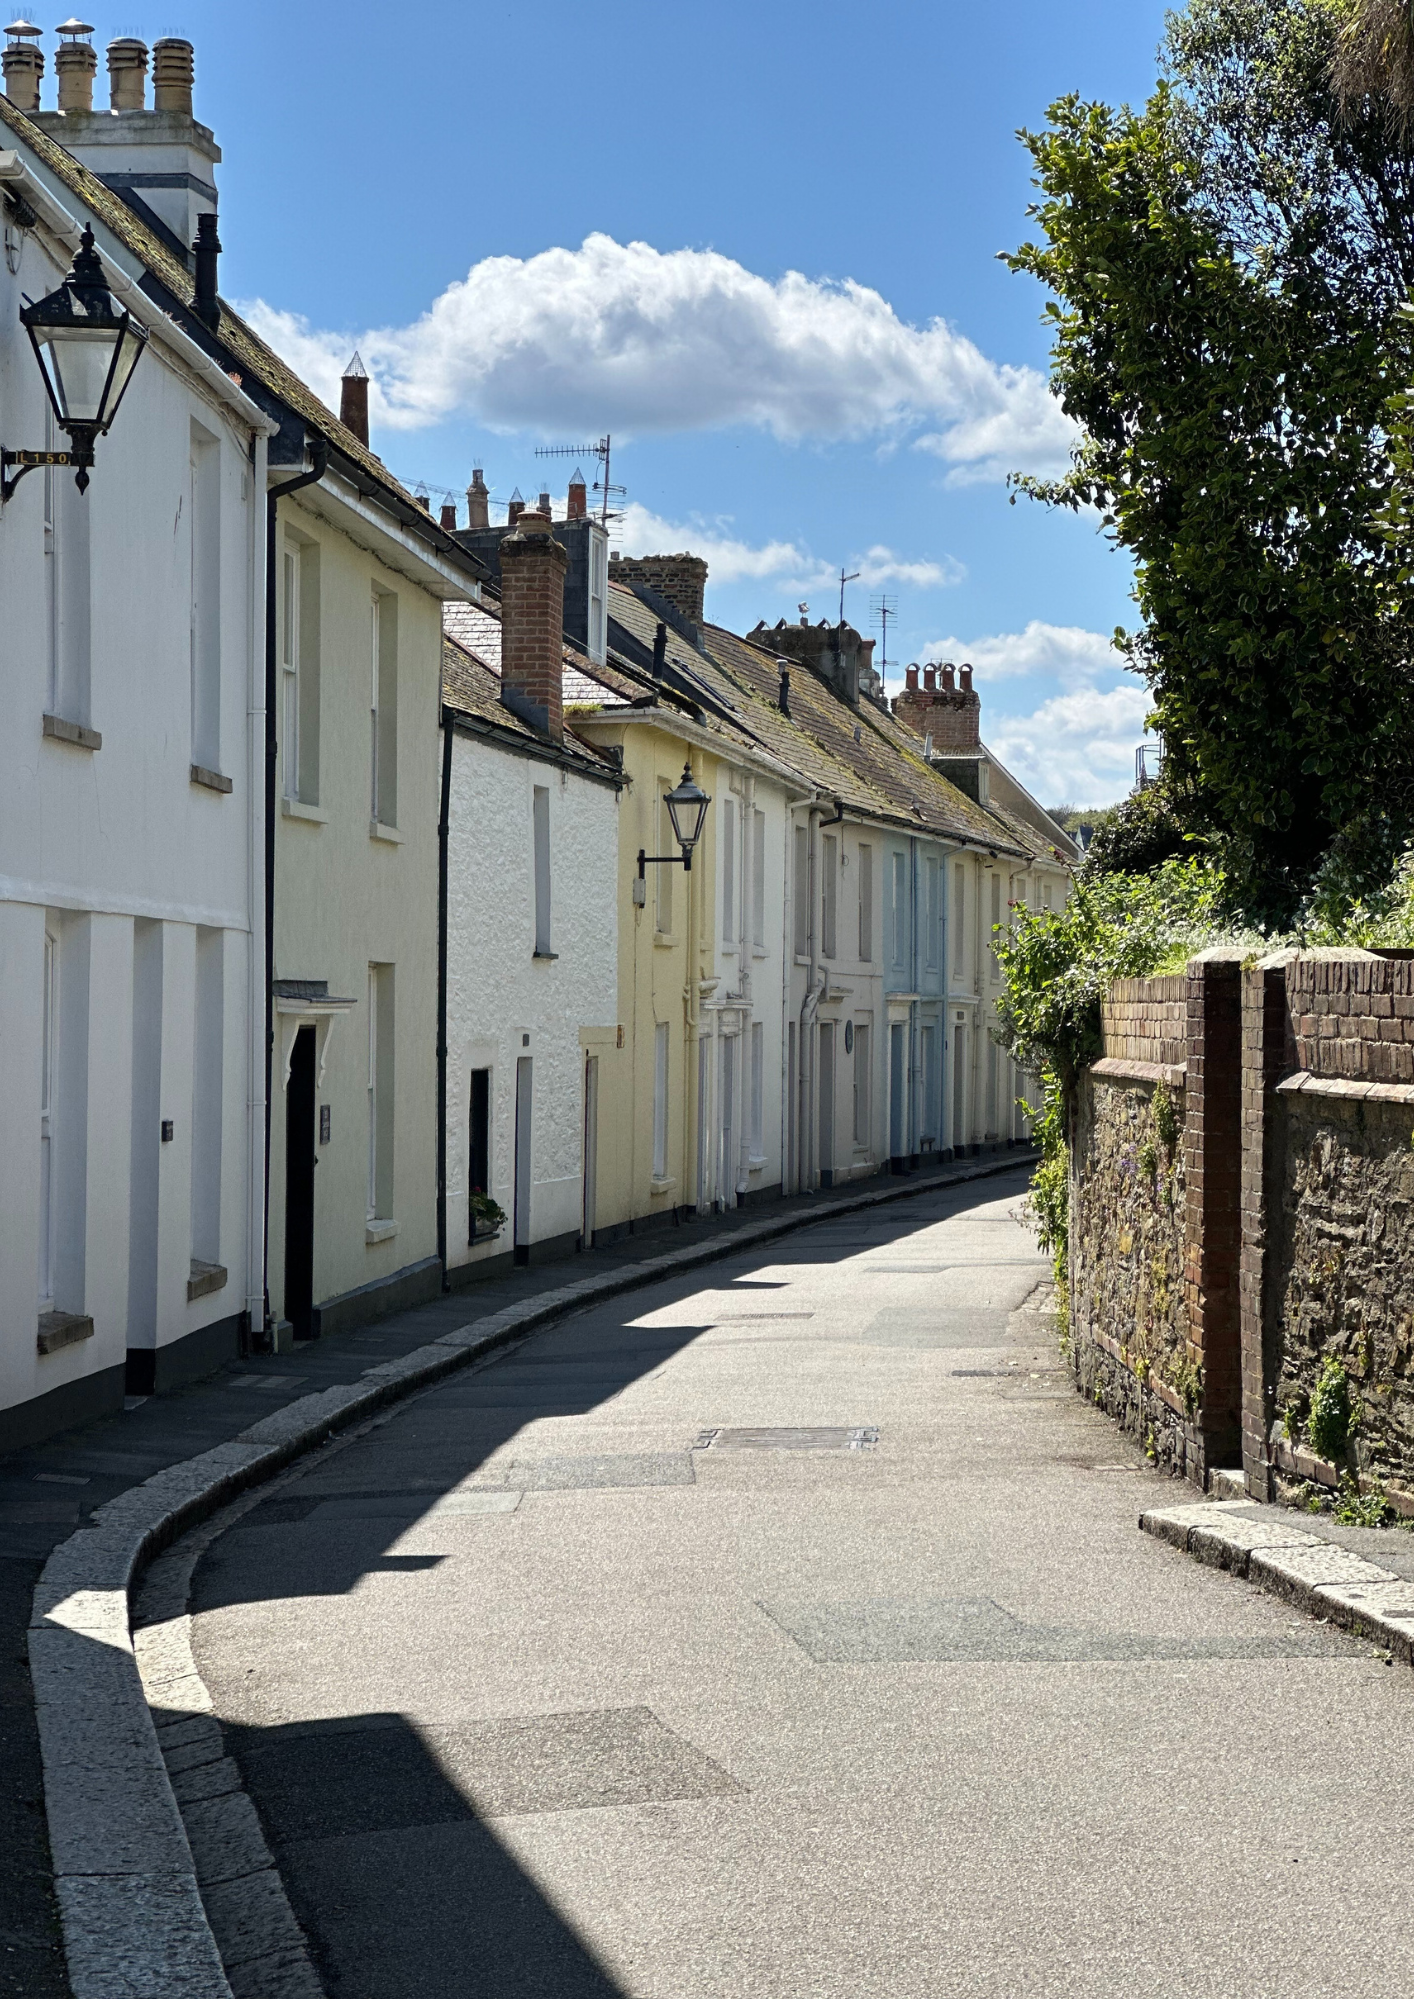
319 458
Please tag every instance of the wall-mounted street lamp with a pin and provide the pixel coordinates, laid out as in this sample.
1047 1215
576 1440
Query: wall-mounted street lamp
687 807
87 350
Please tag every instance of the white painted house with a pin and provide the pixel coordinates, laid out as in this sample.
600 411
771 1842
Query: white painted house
532 932
131 845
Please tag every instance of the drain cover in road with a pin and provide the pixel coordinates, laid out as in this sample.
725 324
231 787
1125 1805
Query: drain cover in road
793 1437
888 1630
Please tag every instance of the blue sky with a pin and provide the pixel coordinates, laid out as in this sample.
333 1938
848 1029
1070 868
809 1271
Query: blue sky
500 163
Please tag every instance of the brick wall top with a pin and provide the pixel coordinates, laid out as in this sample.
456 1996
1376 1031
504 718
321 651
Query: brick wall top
1352 1017
1146 1020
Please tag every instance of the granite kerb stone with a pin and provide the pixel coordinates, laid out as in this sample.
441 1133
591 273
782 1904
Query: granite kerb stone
154 1935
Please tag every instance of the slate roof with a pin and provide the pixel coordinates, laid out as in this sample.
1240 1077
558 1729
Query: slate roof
243 345
470 688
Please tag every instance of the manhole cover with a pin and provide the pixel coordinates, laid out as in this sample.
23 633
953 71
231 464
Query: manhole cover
797 1437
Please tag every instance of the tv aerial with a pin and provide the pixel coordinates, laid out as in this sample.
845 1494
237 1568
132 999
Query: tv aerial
881 609
602 485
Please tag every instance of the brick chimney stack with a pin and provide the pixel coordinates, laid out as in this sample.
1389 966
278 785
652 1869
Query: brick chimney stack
449 516
353 399
577 500
951 716
478 502
23 65
76 61
681 580
533 566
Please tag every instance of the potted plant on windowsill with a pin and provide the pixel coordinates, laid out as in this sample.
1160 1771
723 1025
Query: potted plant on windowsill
488 1218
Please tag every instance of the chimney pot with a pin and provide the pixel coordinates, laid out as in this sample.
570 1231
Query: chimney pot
478 502
965 676
127 74
206 249
76 61
577 500
172 71
533 566
930 679
515 507
910 676
542 506
947 676
449 516
353 399
23 65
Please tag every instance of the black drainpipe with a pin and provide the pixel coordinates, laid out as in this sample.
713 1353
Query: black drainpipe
443 824
319 456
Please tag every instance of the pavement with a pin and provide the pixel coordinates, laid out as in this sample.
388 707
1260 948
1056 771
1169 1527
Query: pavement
784 1628
50 1490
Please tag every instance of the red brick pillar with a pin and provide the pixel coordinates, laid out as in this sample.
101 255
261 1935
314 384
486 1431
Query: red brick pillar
1212 1141
1265 1057
533 624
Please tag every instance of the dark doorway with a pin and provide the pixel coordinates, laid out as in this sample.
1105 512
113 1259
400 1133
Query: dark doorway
479 1151
300 1163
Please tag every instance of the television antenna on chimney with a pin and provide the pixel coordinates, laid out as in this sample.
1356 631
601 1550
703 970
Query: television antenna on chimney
853 577
881 609
602 486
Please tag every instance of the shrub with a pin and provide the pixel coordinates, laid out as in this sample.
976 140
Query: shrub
1329 1424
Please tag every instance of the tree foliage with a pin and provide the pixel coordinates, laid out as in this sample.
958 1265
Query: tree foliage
1143 831
1226 268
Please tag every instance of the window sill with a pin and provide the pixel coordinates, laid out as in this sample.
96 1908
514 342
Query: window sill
379 1232
212 780
662 1184
759 951
756 1161
58 1330
297 809
205 1278
82 738
546 955
377 831
666 940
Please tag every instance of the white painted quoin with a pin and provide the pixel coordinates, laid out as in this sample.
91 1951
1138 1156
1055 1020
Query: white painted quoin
131 854
532 971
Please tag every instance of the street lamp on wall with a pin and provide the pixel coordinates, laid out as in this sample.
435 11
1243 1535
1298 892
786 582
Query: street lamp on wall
687 807
87 350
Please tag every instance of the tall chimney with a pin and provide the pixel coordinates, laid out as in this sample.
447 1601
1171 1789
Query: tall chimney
449 516
478 502
515 507
23 65
533 624
172 71
951 716
353 399
76 60
205 251
127 74
577 499
542 506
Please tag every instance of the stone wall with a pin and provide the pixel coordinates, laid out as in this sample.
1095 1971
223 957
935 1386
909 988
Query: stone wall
1328 1202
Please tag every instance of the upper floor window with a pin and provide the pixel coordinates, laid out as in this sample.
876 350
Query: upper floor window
758 879
898 906
205 544
932 922
866 902
540 820
383 703
959 914
830 851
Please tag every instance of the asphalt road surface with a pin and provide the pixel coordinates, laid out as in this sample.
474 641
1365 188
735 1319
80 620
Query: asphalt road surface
787 1630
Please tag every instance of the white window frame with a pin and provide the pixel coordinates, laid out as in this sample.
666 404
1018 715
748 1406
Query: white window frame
290 667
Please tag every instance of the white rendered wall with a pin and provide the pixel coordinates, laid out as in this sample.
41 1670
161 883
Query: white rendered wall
498 993
116 835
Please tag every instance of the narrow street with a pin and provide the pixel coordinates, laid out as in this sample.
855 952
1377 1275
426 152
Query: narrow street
787 1630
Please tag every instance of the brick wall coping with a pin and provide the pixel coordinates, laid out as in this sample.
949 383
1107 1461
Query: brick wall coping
1304 1084
1124 1069
1151 991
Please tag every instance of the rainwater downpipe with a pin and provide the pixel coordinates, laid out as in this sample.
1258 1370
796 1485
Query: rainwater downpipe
810 1007
443 837
746 873
319 463
790 1113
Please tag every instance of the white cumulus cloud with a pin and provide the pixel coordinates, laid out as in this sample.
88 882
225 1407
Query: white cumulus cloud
625 337
1069 653
1077 747
730 560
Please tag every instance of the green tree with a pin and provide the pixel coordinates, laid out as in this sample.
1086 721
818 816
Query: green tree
1150 827
1227 267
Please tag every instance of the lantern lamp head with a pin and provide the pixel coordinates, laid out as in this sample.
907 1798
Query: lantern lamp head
687 808
87 348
